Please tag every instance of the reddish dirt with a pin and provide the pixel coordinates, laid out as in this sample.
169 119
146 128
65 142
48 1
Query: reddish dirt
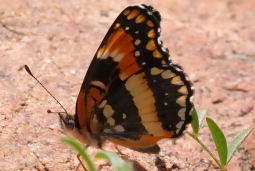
214 41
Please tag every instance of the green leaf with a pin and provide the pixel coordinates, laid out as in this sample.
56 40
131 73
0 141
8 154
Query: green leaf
194 122
219 140
237 141
81 151
118 163
197 119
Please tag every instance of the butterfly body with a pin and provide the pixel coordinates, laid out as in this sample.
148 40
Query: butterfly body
132 94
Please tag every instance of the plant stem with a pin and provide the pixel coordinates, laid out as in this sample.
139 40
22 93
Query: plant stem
222 168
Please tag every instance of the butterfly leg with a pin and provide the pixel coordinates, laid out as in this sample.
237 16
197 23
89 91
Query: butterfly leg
80 163
119 151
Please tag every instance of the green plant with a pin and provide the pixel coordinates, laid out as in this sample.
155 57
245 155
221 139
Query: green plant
117 163
225 151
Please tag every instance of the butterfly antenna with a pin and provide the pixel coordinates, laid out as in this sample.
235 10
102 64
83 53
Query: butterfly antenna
30 73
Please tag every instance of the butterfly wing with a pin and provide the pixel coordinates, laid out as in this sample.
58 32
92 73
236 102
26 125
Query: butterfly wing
132 93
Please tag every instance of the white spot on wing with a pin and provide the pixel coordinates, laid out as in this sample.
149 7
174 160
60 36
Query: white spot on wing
141 6
192 88
102 104
108 131
98 84
143 63
179 126
159 41
124 116
108 111
178 69
137 42
163 49
137 53
111 121
119 128
181 113
191 99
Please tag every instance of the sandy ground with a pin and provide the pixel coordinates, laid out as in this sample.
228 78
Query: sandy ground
214 41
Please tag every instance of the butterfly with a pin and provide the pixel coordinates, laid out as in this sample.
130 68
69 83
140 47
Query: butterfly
133 94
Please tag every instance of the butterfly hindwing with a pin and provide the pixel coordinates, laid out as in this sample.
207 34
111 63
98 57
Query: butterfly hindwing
132 93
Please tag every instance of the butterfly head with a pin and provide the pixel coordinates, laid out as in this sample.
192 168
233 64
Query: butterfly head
72 128
68 121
